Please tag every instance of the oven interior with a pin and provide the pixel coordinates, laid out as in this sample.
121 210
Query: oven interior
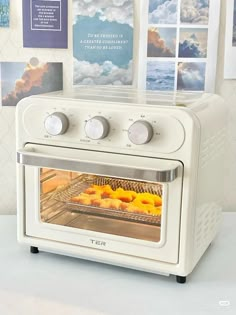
116 206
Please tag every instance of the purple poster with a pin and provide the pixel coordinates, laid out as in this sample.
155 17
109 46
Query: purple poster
45 23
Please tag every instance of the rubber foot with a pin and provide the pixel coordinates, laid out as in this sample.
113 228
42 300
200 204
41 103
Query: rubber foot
34 250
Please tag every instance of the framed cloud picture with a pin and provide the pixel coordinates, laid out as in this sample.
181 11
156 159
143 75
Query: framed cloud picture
103 42
22 79
230 41
4 13
178 49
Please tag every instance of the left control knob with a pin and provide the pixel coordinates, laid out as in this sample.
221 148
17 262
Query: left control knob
56 124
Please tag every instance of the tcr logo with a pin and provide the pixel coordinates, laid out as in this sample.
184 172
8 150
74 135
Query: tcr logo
98 243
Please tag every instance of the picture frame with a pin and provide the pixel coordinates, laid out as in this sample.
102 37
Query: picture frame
4 13
230 41
181 67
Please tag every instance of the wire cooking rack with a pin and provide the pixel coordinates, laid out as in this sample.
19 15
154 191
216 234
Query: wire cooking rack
85 181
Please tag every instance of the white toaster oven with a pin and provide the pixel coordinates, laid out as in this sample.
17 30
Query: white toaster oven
121 176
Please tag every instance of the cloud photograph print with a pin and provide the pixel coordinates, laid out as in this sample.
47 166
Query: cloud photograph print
19 80
193 43
86 73
4 13
234 25
160 75
162 11
191 76
103 42
161 42
120 11
194 11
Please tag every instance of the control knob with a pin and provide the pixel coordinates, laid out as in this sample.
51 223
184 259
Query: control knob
140 132
97 128
56 124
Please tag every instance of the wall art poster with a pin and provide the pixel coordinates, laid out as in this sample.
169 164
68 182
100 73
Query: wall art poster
103 42
179 40
234 25
4 13
45 23
19 80
230 41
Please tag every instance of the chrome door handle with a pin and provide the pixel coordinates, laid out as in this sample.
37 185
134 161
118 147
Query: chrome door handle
43 160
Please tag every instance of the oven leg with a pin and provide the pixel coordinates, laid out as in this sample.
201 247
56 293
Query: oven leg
180 279
34 250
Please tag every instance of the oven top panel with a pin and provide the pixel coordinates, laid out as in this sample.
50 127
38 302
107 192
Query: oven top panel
101 125
131 96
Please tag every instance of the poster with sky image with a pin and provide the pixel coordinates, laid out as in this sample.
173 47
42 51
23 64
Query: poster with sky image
4 13
161 42
162 11
234 25
193 43
160 75
230 41
19 80
103 42
194 11
191 76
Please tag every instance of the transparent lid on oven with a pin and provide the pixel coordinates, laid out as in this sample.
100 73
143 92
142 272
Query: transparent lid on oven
130 95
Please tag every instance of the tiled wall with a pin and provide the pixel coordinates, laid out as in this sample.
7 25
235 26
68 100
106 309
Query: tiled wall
11 50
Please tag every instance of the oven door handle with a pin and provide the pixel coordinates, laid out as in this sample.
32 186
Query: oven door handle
29 158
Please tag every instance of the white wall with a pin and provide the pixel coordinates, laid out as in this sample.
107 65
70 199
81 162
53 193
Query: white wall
11 50
227 89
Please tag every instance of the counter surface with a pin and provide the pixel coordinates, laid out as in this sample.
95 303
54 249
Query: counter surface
46 283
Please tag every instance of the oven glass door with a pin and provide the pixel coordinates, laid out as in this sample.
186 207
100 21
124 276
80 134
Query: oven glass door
131 204
103 204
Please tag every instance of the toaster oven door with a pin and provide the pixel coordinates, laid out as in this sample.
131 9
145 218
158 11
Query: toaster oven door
112 202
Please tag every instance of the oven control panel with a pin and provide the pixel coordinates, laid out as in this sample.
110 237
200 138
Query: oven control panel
111 127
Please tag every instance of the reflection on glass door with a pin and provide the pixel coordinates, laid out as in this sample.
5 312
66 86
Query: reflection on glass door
104 204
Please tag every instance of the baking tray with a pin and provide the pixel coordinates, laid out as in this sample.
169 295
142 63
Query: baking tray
85 181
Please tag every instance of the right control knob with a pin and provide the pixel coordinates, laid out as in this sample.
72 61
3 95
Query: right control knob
140 132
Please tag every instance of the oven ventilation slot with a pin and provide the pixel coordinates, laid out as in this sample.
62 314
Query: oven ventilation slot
85 181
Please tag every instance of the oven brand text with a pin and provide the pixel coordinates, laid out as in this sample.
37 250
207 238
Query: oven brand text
99 243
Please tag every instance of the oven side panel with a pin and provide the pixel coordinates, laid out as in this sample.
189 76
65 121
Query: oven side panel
209 202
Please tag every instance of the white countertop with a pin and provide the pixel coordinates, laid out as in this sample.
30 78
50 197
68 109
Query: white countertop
46 284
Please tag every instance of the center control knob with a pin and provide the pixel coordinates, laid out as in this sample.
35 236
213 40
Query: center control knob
140 132
56 124
97 128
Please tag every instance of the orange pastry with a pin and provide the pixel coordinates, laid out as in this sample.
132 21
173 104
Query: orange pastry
107 191
127 200
82 198
147 198
124 205
116 204
123 195
157 200
97 202
133 208
91 190
106 203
